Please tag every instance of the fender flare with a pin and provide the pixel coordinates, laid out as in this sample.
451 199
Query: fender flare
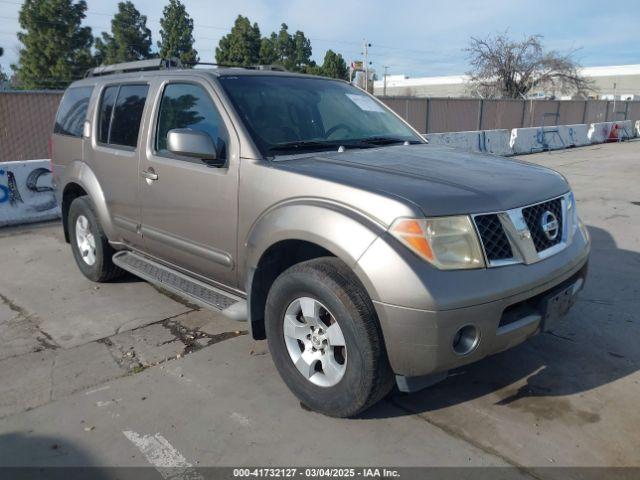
336 228
80 173
343 231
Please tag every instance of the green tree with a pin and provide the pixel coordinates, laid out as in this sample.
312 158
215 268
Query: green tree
334 66
286 48
130 39
56 48
242 46
3 76
176 33
302 52
268 50
291 51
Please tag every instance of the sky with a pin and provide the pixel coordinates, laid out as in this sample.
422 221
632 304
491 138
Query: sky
414 38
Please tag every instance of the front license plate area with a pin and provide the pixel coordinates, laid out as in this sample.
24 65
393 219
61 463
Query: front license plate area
556 306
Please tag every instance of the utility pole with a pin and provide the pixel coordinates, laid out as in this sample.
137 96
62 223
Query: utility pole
384 85
366 65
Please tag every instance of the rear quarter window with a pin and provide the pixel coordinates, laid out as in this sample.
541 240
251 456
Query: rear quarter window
73 111
120 113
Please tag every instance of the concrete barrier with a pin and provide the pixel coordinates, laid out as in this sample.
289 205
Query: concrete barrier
488 141
610 131
575 135
625 130
26 194
537 139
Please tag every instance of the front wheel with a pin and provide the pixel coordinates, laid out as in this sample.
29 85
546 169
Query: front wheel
325 340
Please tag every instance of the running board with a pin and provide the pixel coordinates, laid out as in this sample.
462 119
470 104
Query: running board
195 291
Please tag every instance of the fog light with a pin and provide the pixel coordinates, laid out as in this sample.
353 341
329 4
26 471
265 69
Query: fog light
466 340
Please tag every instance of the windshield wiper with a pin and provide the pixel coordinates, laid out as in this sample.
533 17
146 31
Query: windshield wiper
304 145
316 145
385 141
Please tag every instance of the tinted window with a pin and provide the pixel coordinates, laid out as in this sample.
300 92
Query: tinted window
120 114
278 110
127 114
73 111
106 109
189 106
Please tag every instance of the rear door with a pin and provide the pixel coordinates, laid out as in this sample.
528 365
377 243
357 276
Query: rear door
115 153
67 140
189 209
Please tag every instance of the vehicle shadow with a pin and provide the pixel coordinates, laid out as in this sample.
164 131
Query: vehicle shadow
594 346
26 456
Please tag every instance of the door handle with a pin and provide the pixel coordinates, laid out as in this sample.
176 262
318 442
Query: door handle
149 174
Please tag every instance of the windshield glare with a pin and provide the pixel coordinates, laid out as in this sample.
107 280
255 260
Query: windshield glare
310 113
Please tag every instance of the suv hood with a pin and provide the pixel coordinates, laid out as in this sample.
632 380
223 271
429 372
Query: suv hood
440 180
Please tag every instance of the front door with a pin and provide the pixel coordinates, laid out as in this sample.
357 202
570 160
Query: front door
189 209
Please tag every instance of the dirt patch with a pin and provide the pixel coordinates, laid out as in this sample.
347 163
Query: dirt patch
196 339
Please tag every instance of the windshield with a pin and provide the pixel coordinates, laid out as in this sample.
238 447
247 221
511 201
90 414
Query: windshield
286 115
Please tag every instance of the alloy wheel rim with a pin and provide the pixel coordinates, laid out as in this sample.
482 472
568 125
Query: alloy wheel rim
315 342
85 240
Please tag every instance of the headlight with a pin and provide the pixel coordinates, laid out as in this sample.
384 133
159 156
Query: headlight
448 243
572 217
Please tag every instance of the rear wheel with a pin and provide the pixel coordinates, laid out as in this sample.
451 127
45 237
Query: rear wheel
89 244
325 340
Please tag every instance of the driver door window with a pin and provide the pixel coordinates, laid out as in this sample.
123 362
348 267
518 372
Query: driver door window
186 105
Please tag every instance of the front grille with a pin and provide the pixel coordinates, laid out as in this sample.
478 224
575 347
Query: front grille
495 242
533 217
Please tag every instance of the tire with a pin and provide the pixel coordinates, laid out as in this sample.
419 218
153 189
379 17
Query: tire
95 263
340 298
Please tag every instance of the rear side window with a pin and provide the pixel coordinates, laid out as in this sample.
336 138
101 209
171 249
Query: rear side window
73 111
121 110
106 109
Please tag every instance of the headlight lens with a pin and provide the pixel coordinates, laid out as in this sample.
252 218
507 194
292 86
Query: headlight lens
572 216
448 243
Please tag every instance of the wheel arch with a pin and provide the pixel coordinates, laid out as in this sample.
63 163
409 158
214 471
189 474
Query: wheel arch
293 233
80 181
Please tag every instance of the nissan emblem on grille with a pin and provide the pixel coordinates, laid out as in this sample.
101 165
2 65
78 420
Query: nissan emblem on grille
549 224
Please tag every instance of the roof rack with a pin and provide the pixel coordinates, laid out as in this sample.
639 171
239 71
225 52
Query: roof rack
165 64
275 68
138 66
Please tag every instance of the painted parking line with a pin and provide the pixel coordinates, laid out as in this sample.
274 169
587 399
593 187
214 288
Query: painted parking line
169 462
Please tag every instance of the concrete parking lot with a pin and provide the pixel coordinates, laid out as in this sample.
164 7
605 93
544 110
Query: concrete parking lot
120 374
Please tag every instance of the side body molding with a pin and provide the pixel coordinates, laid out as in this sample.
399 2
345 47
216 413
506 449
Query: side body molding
80 173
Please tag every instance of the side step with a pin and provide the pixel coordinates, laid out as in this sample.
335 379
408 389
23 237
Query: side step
183 285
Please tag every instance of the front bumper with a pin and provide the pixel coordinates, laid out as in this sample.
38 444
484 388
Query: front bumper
503 304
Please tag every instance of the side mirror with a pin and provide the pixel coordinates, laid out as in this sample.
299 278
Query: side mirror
195 144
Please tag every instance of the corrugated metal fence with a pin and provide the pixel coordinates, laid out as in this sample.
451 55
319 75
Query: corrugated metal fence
436 115
26 118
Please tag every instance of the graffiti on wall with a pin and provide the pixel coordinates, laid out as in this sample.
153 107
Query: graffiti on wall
26 192
10 192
